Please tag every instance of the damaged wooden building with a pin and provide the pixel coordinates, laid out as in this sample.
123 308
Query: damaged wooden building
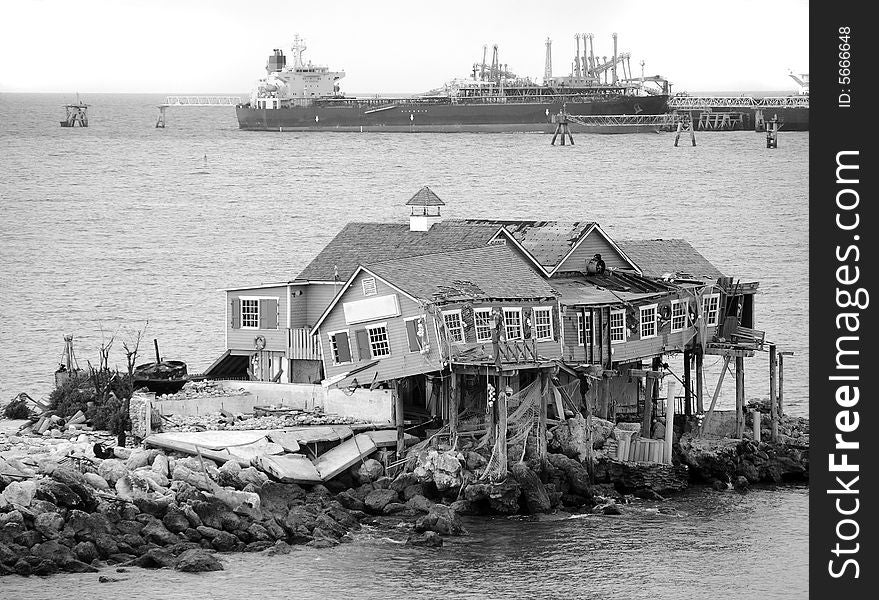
456 314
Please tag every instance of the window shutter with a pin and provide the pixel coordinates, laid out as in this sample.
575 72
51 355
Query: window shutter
342 347
412 334
268 314
363 344
235 313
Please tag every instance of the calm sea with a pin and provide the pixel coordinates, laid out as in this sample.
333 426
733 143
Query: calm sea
105 228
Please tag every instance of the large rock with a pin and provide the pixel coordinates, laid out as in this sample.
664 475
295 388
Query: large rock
533 492
377 500
575 474
155 532
426 538
96 481
225 542
112 470
49 525
420 503
154 558
503 497
20 492
370 470
176 521
440 519
571 437
350 501
278 498
54 551
197 561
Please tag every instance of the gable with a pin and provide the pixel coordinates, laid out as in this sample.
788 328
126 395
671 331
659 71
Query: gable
594 242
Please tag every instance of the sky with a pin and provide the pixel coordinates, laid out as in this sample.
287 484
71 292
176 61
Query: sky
384 46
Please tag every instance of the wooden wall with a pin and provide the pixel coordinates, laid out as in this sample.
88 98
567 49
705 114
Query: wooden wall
238 338
593 244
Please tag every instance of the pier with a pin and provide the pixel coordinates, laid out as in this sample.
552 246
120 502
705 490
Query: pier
193 101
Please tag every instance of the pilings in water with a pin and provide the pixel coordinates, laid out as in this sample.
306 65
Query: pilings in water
772 133
77 115
773 398
160 122
740 396
685 126
562 127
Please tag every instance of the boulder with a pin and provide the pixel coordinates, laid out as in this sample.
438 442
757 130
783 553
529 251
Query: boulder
370 470
176 521
161 465
49 525
377 500
571 437
610 508
420 503
197 561
54 551
278 498
20 492
403 481
96 481
350 501
155 532
425 538
410 491
474 461
503 497
225 542
533 491
112 470
575 474
154 558
440 519
392 508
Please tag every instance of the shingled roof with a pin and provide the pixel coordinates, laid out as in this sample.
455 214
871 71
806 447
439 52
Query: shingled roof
425 197
489 272
547 241
657 258
366 243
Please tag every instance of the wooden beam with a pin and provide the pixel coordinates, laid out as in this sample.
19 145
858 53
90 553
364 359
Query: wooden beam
453 406
716 394
399 419
700 372
688 393
502 430
541 417
773 398
740 397
647 417
669 420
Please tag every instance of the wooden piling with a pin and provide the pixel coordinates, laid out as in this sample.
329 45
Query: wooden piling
453 407
699 383
755 416
502 431
740 396
716 394
541 417
688 393
562 128
669 420
647 417
684 127
773 398
781 384
398 418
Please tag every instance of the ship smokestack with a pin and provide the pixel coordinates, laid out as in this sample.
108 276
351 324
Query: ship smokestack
547 69
614 58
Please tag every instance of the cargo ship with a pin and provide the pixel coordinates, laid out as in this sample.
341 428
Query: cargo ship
306 97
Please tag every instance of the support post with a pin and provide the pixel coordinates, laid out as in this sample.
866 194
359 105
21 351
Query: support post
490 411
541 417
755 416
398 417
647 417
699 384
773 399
453 407
781 385
716 394
740 396
688 393
669 420
502 432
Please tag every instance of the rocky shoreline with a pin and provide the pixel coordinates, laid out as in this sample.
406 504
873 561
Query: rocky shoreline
67 510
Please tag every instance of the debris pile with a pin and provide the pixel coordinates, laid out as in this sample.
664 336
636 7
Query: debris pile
225 421
192 390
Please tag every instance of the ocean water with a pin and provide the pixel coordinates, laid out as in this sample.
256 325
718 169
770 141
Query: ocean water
105 228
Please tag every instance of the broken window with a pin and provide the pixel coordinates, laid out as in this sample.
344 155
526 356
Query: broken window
341 347
482 320
710 304
679 309
454 325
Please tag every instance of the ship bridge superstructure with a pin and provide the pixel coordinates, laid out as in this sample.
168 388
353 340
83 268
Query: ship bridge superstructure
295 84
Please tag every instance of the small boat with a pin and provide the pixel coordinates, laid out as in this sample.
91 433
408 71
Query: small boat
162 376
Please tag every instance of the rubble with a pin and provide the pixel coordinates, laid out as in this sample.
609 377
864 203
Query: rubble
217 421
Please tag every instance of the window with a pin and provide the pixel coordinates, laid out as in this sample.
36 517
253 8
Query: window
454 325
710 304
584 329
648 321
679 310
543 323
250 313
340 346
416 332
369 288
379 344
513 323
482 320
617 326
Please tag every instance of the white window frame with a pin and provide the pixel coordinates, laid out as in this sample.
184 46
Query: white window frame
369 329
426 335
450 329
642 321
621 312
513 310
536 326
373 290
487 327
333 352
584 334
685 302
706 303
254 299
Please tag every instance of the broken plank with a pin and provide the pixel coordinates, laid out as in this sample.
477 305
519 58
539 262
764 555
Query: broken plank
288 441
386 438
348 453
289 468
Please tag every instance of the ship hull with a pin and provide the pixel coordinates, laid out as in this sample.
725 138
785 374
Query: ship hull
425 117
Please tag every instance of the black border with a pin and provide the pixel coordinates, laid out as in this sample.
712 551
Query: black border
834 129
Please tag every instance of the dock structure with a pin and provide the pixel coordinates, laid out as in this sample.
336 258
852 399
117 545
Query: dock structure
663 122
709 102
193 101
77 114
562 127
685 126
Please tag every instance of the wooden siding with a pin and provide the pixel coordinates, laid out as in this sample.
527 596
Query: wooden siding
401 362
318 297
593 244
243 339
